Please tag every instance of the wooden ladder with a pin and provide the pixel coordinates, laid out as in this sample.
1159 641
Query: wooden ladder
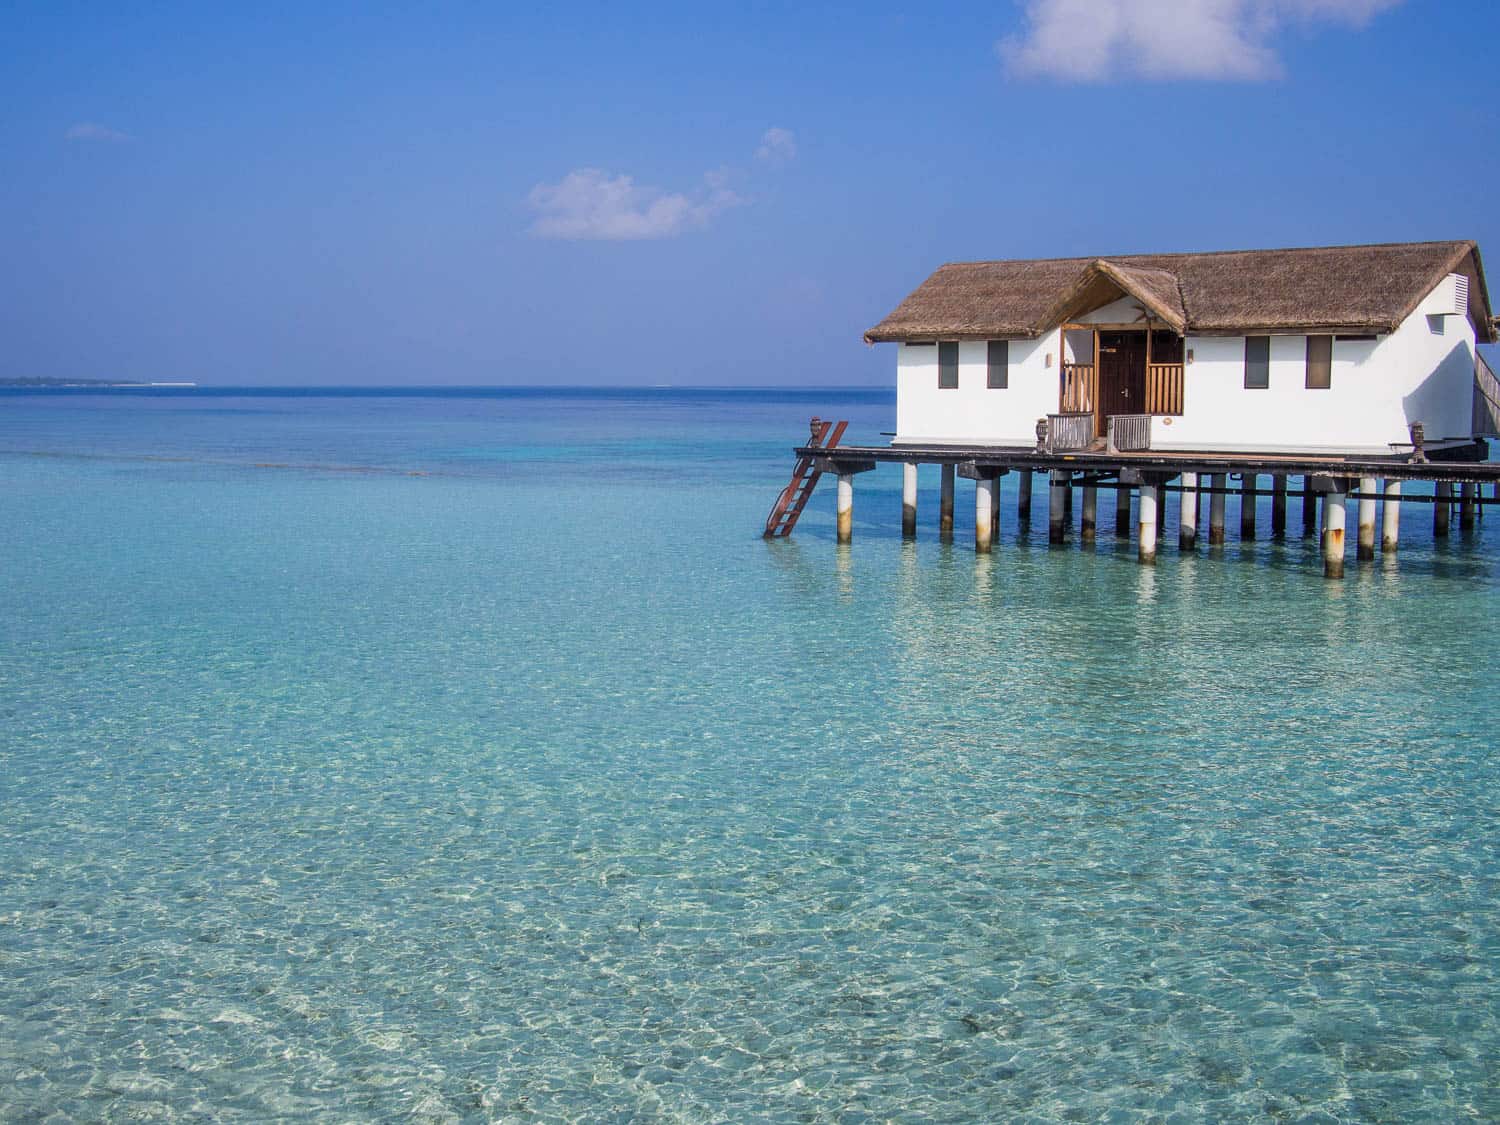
794 497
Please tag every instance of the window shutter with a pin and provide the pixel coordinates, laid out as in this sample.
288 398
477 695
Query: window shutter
1319 363
948 366
1257 363
999 365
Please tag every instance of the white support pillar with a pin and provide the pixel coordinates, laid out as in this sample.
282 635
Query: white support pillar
908 501
1056 519
1217 482
1333 532
1146 523
984 508
1187 520
945 505
846 507
1090 519
1366 529
1390 517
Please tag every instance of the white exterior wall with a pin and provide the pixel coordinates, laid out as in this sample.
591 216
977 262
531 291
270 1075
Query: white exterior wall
972 413
1378 387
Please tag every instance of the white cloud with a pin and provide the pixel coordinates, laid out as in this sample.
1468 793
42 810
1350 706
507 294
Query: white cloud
1097 40
592 204
92 131
776 145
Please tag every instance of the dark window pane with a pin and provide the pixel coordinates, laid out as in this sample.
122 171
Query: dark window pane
1319 363
1257 362
999 377
948 366
1166 347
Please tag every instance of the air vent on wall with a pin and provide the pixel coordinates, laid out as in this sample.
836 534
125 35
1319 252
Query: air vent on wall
1460 293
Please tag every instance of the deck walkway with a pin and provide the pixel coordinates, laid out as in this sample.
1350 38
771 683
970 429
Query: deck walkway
1173 463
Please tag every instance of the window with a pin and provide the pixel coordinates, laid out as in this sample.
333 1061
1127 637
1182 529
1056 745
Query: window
1257 363
999 365
1319 363
948 365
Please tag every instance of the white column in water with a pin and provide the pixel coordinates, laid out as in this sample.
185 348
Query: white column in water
1333 531
1390 517
1217 482
1366 529
1187 521
909 500
1146 523
984 507
846 507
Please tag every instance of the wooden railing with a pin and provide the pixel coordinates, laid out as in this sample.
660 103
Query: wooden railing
1164 388
1078 388
1486 399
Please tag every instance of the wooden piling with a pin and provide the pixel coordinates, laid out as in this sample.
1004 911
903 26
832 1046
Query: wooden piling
1278 504
1309 507
1090 518
1466 507
1122 511
1056 515
1442 509
1247 505
945 504
1023 496
1366 530
909 500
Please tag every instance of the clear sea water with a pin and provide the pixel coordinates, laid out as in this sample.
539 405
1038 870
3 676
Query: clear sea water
469 756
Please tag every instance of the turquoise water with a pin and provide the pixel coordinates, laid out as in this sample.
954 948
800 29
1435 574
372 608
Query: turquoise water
537 786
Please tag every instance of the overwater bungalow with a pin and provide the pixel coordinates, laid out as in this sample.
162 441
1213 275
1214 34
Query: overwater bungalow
1344 365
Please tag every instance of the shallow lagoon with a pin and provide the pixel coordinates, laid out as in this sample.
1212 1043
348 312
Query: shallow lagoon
538 785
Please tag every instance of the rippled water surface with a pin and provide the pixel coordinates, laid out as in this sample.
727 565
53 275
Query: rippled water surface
471 757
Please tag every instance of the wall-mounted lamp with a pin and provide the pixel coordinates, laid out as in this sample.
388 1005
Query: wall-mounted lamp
1190 355
1048 362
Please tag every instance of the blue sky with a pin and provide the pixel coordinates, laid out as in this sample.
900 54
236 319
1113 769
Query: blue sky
687 194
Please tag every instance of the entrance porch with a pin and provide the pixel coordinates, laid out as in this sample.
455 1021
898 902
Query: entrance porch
1116 371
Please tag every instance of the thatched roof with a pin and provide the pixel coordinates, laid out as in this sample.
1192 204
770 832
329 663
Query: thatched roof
1364 289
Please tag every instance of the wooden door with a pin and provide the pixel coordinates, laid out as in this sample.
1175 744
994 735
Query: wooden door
1122 374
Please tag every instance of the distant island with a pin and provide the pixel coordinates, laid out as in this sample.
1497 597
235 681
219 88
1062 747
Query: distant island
48 381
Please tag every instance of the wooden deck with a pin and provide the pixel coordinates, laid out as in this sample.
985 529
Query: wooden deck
1451 463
